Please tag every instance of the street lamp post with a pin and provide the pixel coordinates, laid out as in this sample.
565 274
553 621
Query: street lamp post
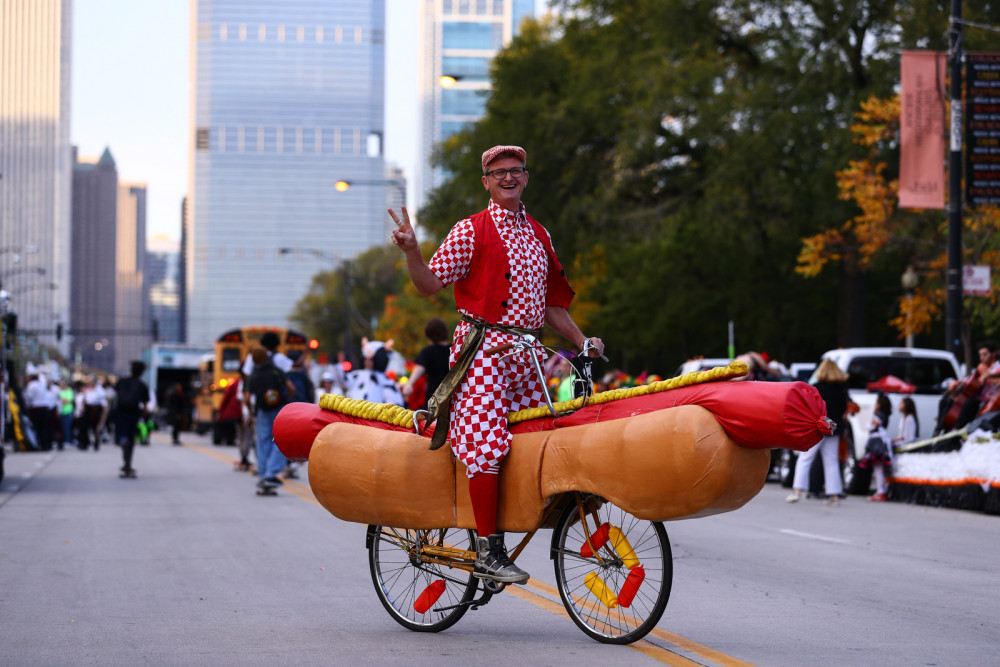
22 290
909 280
343 185
346 265
39 270
398 184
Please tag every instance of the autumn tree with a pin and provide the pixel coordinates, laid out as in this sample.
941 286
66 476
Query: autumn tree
346 303
881 232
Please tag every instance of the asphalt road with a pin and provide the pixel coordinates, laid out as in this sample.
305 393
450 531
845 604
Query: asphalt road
187 566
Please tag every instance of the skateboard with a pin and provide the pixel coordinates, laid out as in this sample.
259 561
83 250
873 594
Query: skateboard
266 490
130 473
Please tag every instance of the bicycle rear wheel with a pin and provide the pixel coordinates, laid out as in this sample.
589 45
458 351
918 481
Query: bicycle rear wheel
593 589
401 576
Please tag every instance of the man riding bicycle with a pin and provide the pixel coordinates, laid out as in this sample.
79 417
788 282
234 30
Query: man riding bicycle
508 282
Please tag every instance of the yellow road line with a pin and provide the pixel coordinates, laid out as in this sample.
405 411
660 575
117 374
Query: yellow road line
210 452
676 640
291 487
643 646
658 653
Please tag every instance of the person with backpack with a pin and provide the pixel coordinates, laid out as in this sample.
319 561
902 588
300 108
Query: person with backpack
269 389
132 399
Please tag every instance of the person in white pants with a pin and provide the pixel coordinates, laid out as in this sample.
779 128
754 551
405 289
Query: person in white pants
832 385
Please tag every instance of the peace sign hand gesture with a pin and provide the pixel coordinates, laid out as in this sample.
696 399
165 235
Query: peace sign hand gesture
403 236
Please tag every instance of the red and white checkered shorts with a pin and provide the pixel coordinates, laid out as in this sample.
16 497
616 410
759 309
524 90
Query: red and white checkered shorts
493 387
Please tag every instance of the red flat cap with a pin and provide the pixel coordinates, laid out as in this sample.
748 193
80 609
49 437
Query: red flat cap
497 151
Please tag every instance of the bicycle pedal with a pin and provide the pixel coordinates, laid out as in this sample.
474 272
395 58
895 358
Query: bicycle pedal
493 587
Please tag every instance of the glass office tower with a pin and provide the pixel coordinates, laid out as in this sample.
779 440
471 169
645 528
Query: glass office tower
36 163
458 41
287 99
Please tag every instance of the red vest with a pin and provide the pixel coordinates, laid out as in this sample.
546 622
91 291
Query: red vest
485 290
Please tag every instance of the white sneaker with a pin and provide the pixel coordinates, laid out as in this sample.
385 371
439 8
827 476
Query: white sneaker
793 498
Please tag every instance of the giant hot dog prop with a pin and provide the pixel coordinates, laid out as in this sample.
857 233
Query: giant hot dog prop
664 454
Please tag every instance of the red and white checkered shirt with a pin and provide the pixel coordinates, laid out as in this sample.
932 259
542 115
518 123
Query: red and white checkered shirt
528 265
495 384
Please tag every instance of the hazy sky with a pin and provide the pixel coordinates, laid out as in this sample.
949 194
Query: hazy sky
130 94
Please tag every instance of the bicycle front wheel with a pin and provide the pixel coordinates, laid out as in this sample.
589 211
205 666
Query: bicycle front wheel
417 593
618 594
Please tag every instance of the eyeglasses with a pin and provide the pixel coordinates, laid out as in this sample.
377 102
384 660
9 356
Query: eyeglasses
500 174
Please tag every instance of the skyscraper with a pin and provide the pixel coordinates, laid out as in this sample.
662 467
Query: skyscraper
163 268
35 161
133 324
94 259
287 99
458 40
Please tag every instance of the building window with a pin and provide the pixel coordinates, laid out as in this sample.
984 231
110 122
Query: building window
300 33
449 128
281 33
358 35
462 102
498 7
374 147
318 140
222 138
280 140
260 139
262 32
465 68
201 139
223 32
465 35
319 33
243 32
298 140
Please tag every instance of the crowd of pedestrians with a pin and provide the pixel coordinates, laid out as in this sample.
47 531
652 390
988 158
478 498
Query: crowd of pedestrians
83 413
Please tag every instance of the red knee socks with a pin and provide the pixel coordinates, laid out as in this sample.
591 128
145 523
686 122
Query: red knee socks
483 492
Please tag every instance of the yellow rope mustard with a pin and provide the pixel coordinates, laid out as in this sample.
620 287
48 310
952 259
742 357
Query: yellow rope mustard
398 416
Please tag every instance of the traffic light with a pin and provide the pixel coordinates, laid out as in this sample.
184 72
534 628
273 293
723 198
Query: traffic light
313 344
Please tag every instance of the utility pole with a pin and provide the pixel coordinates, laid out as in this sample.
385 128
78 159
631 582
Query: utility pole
348 350
953 302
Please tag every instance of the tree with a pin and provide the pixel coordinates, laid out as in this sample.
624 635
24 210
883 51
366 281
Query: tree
347 302
406 313
882 233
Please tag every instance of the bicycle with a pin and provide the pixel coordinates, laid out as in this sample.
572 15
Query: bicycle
614 576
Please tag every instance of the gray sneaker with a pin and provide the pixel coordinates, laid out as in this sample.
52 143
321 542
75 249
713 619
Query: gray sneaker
493 563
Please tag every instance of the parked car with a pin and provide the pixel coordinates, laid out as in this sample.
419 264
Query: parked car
802 371
928 371
700 364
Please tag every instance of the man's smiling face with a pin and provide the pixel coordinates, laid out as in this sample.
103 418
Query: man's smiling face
506 191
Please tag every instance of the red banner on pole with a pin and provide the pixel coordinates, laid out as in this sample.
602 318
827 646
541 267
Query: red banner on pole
922 139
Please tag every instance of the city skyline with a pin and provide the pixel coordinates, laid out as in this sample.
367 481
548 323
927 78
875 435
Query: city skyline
145 124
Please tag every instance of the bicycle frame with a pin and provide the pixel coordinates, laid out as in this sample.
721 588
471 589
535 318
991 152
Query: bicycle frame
597 576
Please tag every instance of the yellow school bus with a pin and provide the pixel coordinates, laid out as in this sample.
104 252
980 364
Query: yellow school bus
223 368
